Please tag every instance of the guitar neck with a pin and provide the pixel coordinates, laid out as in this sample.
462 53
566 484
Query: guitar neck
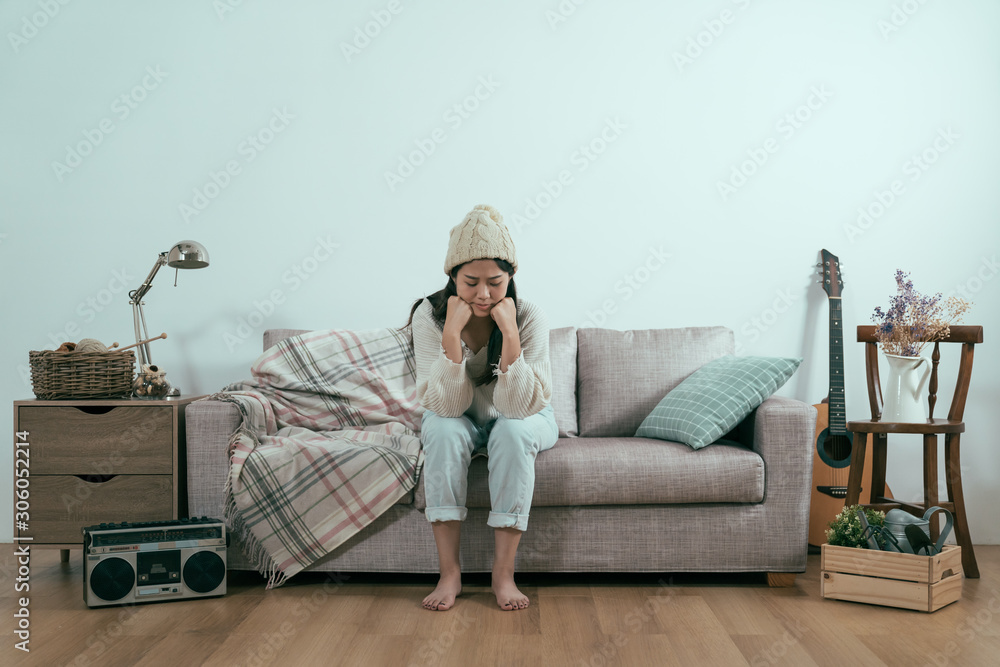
838 422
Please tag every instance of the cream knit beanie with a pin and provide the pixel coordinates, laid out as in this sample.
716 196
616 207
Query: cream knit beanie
481 235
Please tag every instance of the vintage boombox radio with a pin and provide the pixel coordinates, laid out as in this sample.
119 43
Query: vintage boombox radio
129 563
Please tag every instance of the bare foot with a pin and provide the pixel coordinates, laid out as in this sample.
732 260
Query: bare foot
443 597
508 597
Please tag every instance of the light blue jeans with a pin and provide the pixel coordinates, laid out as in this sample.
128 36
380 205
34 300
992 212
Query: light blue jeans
511 447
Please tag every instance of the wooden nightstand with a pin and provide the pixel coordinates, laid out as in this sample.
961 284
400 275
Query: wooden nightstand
97 461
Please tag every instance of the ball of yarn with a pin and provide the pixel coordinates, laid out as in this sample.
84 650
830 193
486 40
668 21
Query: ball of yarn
91 345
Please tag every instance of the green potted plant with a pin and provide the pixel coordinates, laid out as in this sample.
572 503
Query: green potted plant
845 529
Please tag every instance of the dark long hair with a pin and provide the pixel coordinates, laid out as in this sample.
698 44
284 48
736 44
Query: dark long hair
439 305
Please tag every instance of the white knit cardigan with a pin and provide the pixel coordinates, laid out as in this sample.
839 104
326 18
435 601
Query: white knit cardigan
447 389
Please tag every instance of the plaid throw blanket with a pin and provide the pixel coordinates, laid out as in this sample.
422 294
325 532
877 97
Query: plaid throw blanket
328 442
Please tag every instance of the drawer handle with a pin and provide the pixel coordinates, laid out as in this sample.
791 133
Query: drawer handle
95 409
96 479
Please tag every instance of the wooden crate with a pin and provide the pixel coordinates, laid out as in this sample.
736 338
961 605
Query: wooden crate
908 581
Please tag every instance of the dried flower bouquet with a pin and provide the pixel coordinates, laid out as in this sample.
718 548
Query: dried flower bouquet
913 320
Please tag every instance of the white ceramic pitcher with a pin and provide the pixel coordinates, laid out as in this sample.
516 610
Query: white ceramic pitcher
904 390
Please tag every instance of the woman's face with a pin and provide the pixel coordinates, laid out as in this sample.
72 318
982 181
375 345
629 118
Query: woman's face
482 284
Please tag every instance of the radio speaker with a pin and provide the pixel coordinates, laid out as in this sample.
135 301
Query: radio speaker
112 579
204 571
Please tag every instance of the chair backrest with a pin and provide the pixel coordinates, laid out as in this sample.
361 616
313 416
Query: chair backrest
968 336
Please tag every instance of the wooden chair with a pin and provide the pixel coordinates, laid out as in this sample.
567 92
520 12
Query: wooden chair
951 428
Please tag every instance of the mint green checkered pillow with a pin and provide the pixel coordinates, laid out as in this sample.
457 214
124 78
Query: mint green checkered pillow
715 398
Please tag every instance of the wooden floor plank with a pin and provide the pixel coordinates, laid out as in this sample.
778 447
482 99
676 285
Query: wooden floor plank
578 620
783 649
741 612
696 634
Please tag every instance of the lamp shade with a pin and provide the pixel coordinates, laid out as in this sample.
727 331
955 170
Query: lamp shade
187 255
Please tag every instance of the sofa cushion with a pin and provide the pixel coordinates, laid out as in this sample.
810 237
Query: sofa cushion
630 471
715 398
562 354
622 375
274 336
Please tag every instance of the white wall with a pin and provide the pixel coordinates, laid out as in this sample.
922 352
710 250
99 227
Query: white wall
885 81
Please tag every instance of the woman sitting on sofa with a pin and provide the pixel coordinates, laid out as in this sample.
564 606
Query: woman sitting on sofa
484 381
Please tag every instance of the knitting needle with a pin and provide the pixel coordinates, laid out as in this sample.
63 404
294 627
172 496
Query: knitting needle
142 342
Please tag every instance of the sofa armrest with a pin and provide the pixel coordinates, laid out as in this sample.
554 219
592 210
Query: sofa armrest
209 426
783 433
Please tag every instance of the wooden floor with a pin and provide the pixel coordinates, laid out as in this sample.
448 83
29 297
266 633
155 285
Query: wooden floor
573 620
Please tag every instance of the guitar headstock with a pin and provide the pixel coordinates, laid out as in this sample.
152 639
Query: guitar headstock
829 270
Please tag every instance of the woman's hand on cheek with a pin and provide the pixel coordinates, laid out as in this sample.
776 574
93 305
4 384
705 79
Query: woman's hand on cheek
504 314
459 314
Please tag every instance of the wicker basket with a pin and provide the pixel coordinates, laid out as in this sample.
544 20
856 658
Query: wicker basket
57 375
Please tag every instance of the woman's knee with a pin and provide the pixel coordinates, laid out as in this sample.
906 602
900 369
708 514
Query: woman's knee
448 433
520 431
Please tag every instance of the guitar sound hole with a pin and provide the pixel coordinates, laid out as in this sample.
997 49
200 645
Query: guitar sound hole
834 450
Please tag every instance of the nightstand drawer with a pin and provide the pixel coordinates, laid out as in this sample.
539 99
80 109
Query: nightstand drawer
62 505
99 440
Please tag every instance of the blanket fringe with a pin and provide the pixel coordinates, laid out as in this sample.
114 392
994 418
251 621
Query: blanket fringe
252 547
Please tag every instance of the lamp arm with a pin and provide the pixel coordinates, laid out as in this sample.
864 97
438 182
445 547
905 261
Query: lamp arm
137 294
138 318
139 322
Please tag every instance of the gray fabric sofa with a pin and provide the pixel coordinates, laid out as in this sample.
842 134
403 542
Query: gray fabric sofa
604 500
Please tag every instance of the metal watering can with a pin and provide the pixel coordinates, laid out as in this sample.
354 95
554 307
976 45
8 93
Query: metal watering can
896 521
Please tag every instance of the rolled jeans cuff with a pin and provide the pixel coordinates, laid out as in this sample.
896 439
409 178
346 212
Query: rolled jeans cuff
503 520
445 513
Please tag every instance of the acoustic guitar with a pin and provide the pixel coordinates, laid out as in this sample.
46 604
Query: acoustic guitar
832 451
